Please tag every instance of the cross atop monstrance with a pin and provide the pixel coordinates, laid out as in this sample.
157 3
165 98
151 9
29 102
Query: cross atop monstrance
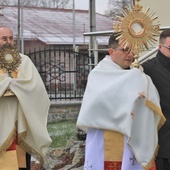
137 29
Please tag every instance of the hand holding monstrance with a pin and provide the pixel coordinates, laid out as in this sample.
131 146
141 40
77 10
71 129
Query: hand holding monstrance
10 60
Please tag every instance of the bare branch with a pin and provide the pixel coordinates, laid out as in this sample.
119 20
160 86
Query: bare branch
39 3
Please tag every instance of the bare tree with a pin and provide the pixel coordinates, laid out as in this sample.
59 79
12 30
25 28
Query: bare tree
5 2
116 6
40 3
59 3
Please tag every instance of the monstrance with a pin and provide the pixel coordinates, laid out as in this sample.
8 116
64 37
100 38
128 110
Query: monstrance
10 60
137 29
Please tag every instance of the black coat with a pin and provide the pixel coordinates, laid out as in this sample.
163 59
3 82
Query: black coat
158 68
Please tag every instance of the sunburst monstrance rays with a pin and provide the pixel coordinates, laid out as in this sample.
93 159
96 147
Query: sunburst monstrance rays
136 29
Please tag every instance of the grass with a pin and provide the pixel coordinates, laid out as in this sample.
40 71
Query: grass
61 131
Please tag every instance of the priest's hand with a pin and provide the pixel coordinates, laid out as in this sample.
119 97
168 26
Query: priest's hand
14 74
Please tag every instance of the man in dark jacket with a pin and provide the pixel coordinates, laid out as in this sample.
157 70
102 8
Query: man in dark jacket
158 68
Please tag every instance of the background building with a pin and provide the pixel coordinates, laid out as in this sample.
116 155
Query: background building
44 27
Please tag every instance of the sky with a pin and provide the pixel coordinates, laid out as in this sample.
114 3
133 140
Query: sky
101 5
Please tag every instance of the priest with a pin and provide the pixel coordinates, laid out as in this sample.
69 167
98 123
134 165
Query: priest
120 113
24 106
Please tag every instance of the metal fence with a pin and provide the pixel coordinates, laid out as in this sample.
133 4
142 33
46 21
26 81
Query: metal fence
63 72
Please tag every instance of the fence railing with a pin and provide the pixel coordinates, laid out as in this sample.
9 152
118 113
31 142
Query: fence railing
63 72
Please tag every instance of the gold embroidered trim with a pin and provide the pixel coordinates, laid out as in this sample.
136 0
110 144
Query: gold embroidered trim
113 146
151 163
21 136
8 142
27 148
154 107
157 110
31 151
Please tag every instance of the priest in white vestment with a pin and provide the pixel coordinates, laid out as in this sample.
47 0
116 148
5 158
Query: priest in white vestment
23 113
120 113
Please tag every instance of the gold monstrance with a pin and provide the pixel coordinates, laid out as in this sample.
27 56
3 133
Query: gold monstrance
136 29
10 60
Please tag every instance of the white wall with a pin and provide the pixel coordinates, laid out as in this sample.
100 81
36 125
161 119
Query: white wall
161 9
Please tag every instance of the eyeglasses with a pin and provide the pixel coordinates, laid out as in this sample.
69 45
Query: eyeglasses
167 47
124 50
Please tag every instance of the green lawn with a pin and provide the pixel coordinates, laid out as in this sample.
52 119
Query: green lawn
61 131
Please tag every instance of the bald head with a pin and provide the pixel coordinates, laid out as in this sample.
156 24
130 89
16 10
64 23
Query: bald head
6 35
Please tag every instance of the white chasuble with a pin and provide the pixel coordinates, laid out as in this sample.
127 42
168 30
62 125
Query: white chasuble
24 115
